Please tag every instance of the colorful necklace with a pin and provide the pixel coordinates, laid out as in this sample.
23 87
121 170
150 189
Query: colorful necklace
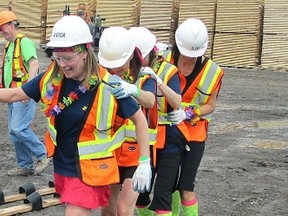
52 107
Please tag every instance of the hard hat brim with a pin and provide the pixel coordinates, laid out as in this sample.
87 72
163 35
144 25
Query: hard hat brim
193 54
112 64
64 43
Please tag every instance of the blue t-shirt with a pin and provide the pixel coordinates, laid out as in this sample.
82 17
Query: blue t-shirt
70 121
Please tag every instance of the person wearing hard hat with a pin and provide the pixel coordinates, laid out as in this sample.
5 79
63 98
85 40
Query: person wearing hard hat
20 65
168 99
201 81
118 54
81 116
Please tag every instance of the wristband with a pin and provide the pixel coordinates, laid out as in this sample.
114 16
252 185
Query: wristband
137 93
197 112
143 158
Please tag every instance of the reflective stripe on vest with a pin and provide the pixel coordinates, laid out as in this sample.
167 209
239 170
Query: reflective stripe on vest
206 84
165 72
105 141
167 54
19 73
130 127
46 85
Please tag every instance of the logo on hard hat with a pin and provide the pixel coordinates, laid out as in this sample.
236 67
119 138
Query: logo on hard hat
195 48
59 35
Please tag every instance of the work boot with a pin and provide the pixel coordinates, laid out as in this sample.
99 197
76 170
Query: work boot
18 171
42 165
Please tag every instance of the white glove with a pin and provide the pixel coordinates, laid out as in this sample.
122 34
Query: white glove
123 89
176 116
142 177
150 71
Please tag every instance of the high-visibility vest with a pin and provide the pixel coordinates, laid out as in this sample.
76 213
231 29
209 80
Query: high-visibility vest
151 116
98 138
20 74
198 94
165 71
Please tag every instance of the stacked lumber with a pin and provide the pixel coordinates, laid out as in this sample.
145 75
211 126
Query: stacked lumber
30 22
275 35
237 33
117 13
157 16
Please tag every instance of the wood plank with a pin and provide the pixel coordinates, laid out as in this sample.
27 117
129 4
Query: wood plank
27 207
17 197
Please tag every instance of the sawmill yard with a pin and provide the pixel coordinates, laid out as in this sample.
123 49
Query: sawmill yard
245 167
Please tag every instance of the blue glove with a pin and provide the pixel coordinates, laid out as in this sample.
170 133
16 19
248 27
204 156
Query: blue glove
142 177
123 89
151 72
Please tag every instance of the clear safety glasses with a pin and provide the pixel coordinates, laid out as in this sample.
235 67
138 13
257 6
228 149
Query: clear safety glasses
65 59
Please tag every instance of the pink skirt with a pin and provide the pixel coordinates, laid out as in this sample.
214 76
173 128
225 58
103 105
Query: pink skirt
73 191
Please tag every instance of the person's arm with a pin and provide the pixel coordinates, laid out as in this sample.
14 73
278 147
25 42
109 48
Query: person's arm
146 98
142 135
171 96
33 68
141 179
12 95
209 107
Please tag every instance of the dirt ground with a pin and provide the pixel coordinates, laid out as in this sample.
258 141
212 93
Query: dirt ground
245 167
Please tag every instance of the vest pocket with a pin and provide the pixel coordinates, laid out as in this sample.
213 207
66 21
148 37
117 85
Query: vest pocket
99 172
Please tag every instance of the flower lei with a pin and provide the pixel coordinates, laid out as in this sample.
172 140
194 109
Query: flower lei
52 109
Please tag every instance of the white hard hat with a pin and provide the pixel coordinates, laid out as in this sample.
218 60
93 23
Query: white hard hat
192 38
70 31
162 46
115 47
144 39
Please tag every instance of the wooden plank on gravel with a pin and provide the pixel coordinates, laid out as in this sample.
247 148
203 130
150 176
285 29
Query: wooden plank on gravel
17 197
27 207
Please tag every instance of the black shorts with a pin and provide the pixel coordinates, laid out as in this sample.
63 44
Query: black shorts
126 172
190 164
167 172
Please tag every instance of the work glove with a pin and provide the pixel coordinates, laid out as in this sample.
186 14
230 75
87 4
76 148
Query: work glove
142 177
176 116
123 89
150 71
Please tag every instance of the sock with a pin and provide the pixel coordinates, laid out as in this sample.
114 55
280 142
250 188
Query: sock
144 211
190 208
176 203
163 213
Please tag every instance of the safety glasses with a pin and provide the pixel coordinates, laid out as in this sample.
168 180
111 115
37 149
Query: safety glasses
65 59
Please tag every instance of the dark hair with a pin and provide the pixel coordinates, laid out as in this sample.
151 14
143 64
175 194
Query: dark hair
175 54
136 63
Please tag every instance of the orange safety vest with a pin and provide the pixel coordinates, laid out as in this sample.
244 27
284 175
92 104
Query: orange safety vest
97 163
207 82
20 74
128 154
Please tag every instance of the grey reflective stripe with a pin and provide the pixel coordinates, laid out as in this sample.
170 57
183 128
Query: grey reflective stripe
98 147
104 116
131 134
205 82
52 131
